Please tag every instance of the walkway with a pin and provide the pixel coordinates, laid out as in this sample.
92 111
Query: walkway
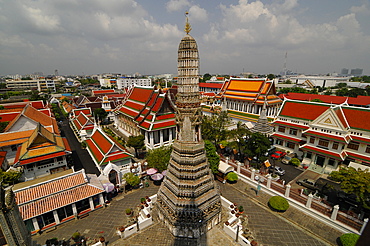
270 228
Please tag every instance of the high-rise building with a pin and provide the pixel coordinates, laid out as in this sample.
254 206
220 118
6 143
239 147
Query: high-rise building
188 202
356 71
344 71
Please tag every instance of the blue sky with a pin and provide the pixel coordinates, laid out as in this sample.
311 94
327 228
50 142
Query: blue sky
127 36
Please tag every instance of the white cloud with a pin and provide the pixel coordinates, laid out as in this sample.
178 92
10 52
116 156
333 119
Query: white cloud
176 5
198 14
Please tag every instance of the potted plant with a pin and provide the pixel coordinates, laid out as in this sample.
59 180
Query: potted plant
148 199
142 200
128 211
232 206
241 209
227 223
148 216
121 228
102 239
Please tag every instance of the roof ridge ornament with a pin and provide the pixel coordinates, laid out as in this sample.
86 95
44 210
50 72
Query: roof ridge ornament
187 25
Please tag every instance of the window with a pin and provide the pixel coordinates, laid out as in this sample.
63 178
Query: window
335 145
279 142
290 145
309 155
312 140
281 129
331 162
293 131
353 145
65 212
367 149
82 205
323 142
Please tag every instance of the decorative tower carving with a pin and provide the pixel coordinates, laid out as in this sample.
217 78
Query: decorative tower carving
188 200
13 231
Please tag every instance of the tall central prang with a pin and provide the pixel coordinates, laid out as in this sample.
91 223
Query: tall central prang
188 202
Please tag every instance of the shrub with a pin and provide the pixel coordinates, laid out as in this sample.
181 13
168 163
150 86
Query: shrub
278 203
232 177
76 235
241 209
128 211
295 162
349 239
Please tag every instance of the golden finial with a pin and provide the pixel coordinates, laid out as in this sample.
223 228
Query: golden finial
187 25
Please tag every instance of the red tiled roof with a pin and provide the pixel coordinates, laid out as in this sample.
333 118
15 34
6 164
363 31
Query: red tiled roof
9 114
164 124
35 104
292 125
340 156
101 141
39 158
141 94
358 156
357 117
116 157
360 139
360 100
297 140
98 156
211 85
302 110
339 138
102 91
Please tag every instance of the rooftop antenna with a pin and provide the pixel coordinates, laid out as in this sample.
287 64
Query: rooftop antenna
286 58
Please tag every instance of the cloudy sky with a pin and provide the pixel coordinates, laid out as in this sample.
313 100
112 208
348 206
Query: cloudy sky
128 36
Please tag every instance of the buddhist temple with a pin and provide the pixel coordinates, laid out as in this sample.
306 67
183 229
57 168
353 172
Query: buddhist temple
188 200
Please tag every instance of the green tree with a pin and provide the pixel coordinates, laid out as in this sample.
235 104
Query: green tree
100 114
342 85
206 77
356 92
136 142
239 134
328 92
2 107
212 156
214 128
10 177
3 125
271 76
354 181
131 179
256 146
295 162
159 158
343 92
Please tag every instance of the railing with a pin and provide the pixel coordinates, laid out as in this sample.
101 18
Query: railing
323 210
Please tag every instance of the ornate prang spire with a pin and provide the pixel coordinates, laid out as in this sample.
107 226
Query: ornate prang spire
188 201
187 25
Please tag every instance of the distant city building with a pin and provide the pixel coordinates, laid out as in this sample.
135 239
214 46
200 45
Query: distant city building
121 83
344 71
40 85
322 81
356 71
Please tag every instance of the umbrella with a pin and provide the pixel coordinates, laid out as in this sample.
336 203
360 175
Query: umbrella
108 187
164 172
157 176
151 171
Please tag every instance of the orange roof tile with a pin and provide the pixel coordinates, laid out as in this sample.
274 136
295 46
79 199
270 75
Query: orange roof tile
47 196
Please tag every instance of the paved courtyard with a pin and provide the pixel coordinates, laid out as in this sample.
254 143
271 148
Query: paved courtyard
269 228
